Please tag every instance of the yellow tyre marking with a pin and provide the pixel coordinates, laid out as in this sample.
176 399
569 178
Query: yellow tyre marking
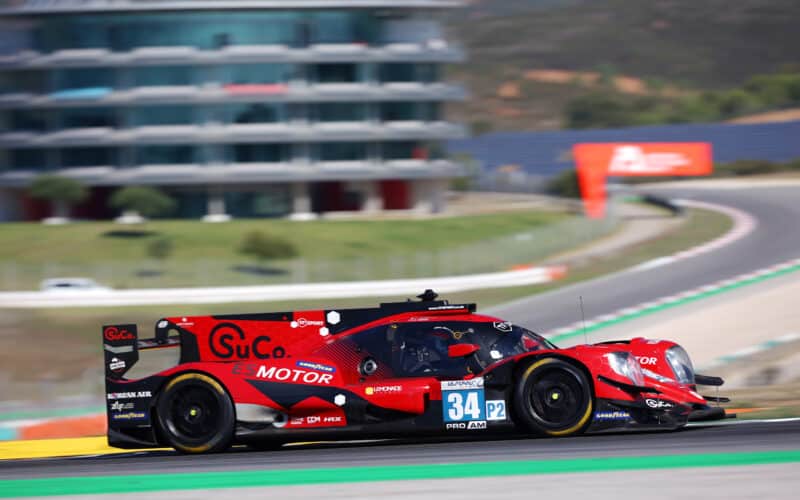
585 416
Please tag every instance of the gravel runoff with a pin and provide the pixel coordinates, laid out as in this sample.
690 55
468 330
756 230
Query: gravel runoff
774 482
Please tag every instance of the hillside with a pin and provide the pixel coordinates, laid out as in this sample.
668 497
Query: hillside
666 44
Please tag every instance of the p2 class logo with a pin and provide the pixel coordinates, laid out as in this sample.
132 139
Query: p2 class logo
228 341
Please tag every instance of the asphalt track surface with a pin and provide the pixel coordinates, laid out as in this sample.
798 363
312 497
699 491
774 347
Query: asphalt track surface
737 437
776 239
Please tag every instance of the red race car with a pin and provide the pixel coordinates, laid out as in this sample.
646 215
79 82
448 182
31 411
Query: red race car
422 367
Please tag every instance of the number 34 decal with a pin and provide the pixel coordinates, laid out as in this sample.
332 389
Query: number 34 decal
464 401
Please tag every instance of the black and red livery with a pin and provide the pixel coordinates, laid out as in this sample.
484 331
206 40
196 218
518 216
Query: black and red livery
418 367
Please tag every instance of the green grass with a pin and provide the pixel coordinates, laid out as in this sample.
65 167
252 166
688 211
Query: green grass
36 243
206 254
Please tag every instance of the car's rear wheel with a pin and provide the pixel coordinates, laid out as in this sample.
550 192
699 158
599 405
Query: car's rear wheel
195 414
554 398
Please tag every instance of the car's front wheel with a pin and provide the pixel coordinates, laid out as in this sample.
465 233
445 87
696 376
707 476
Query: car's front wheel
195 414
554 398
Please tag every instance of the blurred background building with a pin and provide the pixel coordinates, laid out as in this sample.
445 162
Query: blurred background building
237 108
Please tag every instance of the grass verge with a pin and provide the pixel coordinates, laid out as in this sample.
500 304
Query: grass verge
330 250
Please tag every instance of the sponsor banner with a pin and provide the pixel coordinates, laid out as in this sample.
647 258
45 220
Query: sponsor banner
228 341
131 416
383 389
120 406
460 385
601 416
461 426
658 404
317 421
316 366
128 395
595 162
647 360
293 375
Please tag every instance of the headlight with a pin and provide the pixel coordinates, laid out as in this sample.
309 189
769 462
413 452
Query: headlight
626 365
656 376
681 365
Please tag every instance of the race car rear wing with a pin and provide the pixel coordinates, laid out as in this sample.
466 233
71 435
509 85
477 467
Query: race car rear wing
121 346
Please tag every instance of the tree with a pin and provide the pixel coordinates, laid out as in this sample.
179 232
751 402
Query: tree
144 200
62 192
264 246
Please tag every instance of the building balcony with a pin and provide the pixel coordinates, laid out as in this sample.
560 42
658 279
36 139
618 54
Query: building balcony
226 94
241 173
436 51
263 133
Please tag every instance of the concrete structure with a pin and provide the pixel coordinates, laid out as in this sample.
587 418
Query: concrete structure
260 108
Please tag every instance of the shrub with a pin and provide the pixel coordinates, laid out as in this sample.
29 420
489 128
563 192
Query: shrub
565 184
264 246
147 201
160 248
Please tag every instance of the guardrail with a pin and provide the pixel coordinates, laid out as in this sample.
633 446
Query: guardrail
381 288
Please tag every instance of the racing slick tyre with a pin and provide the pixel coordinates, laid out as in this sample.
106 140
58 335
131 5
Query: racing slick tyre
553 397
195 414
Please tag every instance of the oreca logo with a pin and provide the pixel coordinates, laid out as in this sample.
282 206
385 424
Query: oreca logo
228 341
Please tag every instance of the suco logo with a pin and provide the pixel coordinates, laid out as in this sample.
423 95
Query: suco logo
228 341
112 334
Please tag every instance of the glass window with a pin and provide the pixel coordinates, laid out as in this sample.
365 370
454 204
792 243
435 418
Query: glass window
410 111
269 202
86 118
259 153
398 111
202 30
421 348
28 120
342 151
17 36
71 32
257 113
260 73
74 78
28 159
165 155
190 204
343 26
161 115
153 76
341 112
337 73
405 150
408 72
87 157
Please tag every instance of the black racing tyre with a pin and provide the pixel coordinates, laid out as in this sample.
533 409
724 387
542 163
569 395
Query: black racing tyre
195 414
554 398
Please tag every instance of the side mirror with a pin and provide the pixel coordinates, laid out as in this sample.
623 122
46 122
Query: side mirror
462 350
